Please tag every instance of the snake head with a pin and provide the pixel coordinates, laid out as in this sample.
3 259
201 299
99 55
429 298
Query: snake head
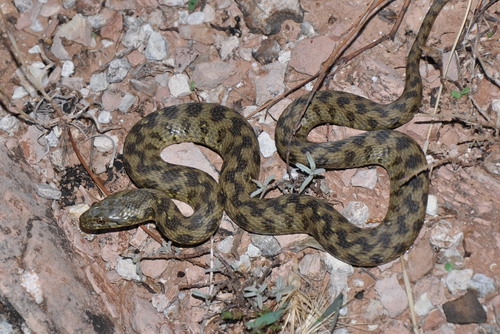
122 209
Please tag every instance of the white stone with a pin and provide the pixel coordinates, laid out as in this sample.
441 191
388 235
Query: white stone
68 68
423 305
482 284
126 102
178 84
227 46
253 251
267 145
457 281
23 5
35 49
495 105
432 205
104 117
105 143
30 282
226 245
126 268
339 273
284 56
9 124
365 178
392 295
19 93
243 264
443 237
267 244
157 47
196 18
173 3
209 13
160 302
47 191
357 213
98 82
53 136
117 69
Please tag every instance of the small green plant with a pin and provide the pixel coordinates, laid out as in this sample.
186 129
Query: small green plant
257 293
449 266
311 171
192 5
192 85
263 187
266 319
456 94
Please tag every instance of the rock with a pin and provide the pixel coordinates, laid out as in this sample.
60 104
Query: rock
211 74
104 117
77 30
310 266
126 268
267 244
420 260
19 93
392 295
86 7
482 284
465 310
157 47
305 61
253 251
267 145
496 308
126 102
266 17
9 124
442 236
23 5
357 213
98 82
374 311
226 245
458 280
423 305
339 273
48 191
267 52
432 205
227 46
451 255
195 18
117 70
433 320
178 84
105 143
243 264
272 84
365 178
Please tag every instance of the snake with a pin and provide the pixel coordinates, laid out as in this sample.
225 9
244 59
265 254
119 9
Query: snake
229 134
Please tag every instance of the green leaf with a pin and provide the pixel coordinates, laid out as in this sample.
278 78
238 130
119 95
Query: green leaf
449 266
192 5
456 94
265 320
333 308
465 91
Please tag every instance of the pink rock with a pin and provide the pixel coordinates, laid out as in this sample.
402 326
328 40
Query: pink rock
305 61
420 260
113 27
392 295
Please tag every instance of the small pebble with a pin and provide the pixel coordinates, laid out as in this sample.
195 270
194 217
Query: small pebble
98 82
195 18
457 281
178 85
126 102
432 205
104 143
19 93
483 284
226 245
267 145
9 124
267 244
68 68
47 191
157 47
126 268
117 69
104 117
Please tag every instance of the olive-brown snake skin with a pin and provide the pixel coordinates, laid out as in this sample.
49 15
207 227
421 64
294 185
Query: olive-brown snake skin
228 133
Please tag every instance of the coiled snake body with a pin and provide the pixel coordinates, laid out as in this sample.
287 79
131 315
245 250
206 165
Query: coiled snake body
228 133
